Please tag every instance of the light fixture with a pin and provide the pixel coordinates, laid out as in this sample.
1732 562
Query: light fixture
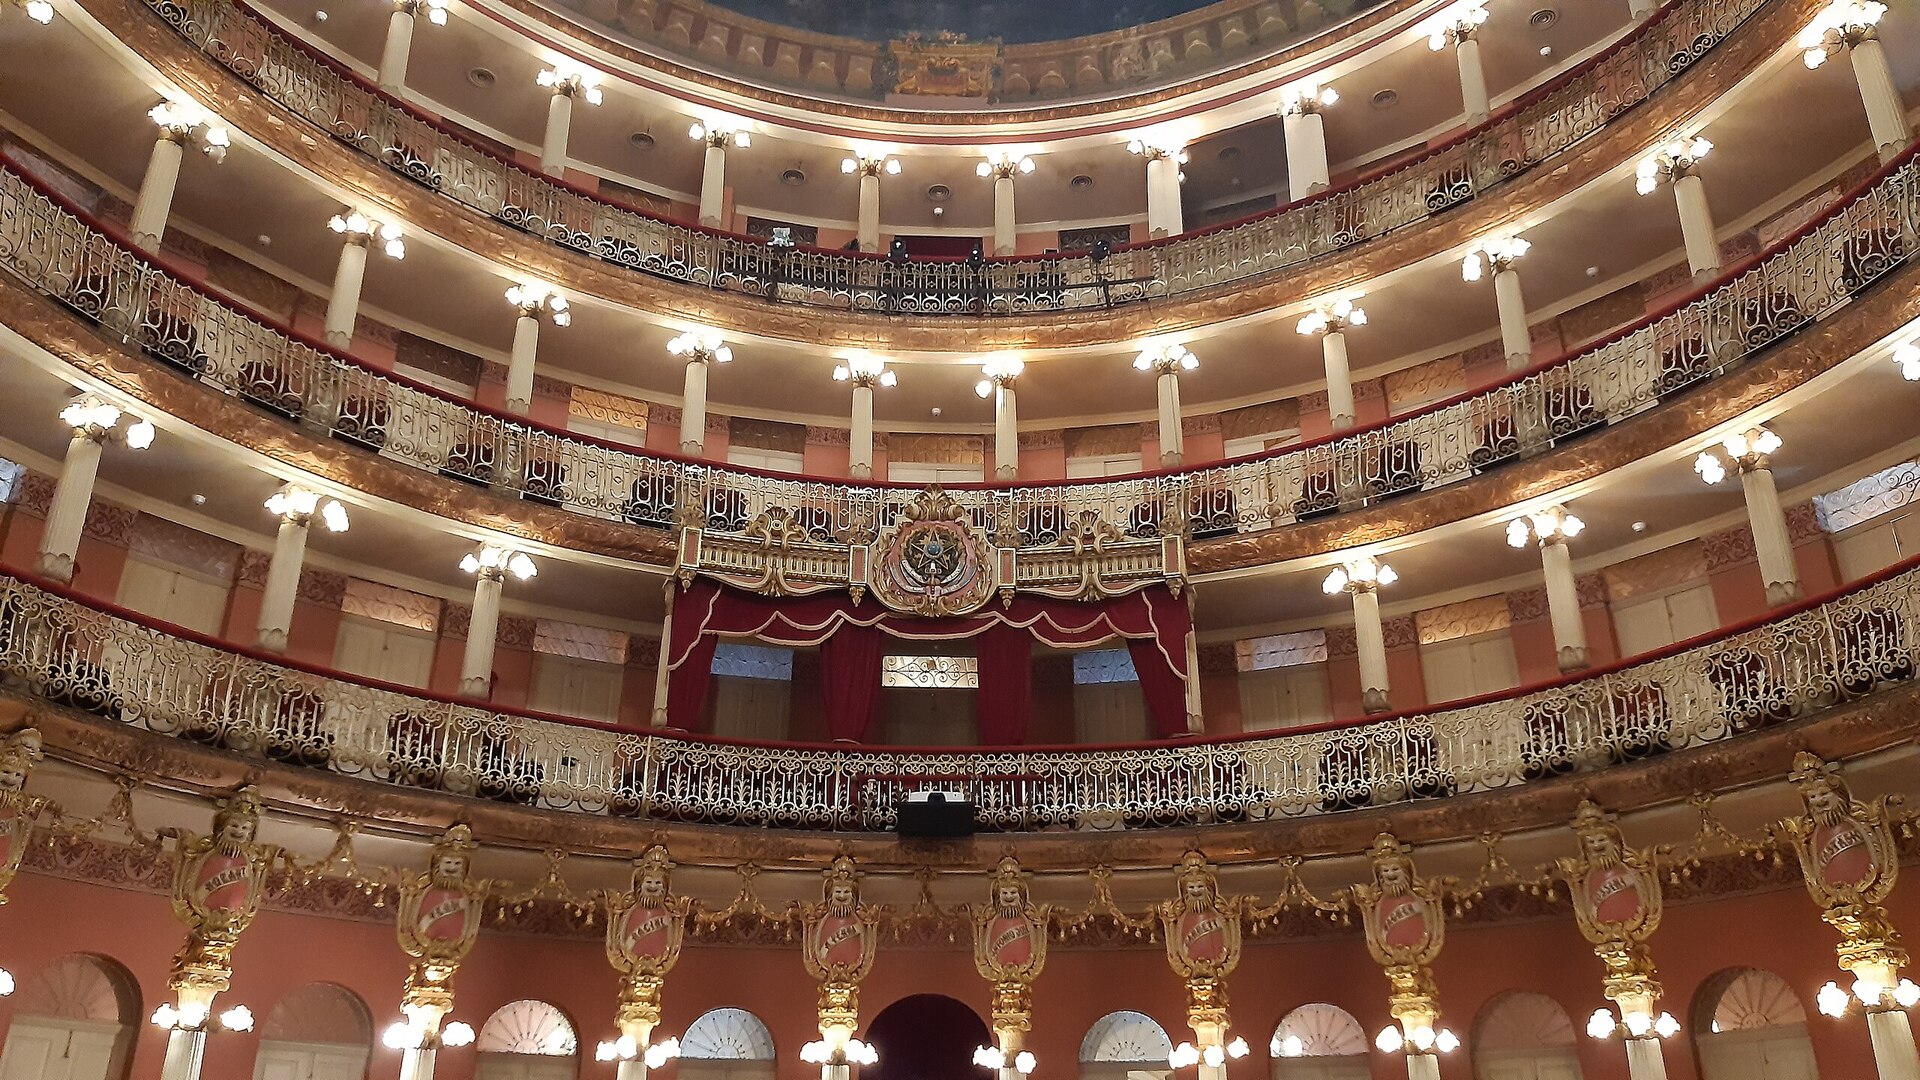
1907 358
459 1033
720 133
534 297
40 11
1004 162
1165 359
998 370
6 983
1743 450
1332 318
573 79
1152 151
1632 1024
494 561
993 1057
864 369
1289 1046
852 1052
180 121
359 228
1547 526
1363 574
1183 1055
1670 161
1455 24
1420 1040
299 504
626 1048
99 419
1497 255
870 162
1840 25
702 344
437 12
1873 993
192 1016
1307 97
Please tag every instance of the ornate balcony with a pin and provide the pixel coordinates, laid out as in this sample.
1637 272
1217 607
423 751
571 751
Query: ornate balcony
128 670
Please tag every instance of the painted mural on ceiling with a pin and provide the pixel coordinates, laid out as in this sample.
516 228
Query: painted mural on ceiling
1010 21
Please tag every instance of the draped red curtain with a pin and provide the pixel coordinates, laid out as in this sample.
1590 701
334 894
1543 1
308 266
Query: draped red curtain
687 686
850 680
1005 700
1165 691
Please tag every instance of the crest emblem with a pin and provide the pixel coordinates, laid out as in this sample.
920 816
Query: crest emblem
933 561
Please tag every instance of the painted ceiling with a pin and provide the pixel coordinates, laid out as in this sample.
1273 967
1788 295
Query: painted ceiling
1011 21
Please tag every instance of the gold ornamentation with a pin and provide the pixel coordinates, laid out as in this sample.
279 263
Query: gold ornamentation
645 928
218 883
1203 944
838 947
1405 927
947 66
933 561
1849 862
1617 903
438 920
19 811
1010 948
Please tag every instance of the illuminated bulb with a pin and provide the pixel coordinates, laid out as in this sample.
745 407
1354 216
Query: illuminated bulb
1214 1057
6 983
459 1033
1447 1042
166 1015
1024 1063
1906 995
1638 1024
1666 1026
1832 1000
1237 1048
239 1018
1600 1025
437 12
1907 359
1422 1038
40 11
1710 468
814 1053
989 1057
662 1052
1183 1055
1389 1040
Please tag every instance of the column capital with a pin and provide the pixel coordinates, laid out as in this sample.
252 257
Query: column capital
1331 318
567 78
1004 164
999 372
296 504
1671 162
870 164
1362 575
1746 451
358 229
1157 152
534 300
701 346
181 121
1495 255
1455 25
98 421
1548 525
1838 27
719 136
493 562
1170 359
865 371
1307 99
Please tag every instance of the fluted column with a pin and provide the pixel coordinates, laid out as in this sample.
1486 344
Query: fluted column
999 376
865 371
186 1053
713 174
700 348
1331 322
1894 1053
1500 256
398 47
869 165
1645 1060
532 303
93 423
1851 26
1456 27
296 507
1551 528
489 566
567 80
1003 166
179 122
1362 578
1305 131
1678 163
357 233
1750 454
1166 362
1163 187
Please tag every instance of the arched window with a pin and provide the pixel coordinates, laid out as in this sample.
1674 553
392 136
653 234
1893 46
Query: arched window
1749 1025
1521 1035
526 1040
320 1031
726 1044
1319 1042
73 1020
1125 1046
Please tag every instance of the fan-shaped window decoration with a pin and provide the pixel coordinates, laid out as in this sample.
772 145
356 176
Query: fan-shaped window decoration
1128 1037
1319 1030
1521 1020
80 987
527 1027
1752 999
319 1013
728 1034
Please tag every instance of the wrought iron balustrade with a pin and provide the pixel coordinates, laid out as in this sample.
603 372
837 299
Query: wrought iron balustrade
127 670
1534 131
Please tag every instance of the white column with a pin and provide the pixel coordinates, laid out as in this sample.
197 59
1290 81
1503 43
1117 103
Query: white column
1893 1048
1696 225
693 408
1641 9
392 75
343 303
869 224
1006 432
1473 78
476 666
1173 439
283 583
1004 227
155 200
1886 114
553 147
1305 131
526 343
1423 1067
186 1049
1011 1042
417 1063
1645 1061
1333 349
660 670
67 512
1163 194
713 181
1370 641
860 438
631 1070
1563 606
1772 547
1515 338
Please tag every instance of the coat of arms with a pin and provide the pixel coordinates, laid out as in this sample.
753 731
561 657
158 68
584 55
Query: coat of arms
933 561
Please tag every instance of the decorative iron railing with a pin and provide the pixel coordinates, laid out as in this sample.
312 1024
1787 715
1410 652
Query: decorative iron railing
170 682
409 144
1791 286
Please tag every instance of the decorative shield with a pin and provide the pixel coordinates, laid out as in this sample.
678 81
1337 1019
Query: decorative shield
222 883
1614 895
1843 855
932 561
1403 922
443 915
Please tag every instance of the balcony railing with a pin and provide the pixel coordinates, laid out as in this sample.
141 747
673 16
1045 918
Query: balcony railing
1799 281
130 670
412 145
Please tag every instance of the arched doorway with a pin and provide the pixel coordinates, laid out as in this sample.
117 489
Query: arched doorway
1521 1035
1320 1042
726 1044
1125 1045
527 1040
318 1032
74 1020
1749 1025
926 1037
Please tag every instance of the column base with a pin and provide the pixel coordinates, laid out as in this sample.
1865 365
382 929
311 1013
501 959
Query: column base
516 405
692 449
479 689
1171 459
51 565
1572 659
1375 701
1006 472
1783 592
147 241
273 641
1341 422
860 472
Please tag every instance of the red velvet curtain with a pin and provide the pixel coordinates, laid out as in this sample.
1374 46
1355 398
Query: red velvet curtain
850 680
1165 690
1005 701
687 686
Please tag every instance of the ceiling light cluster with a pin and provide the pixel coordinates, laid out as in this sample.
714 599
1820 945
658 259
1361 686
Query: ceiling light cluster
573 79
534 298
297 504
1453 25
870 162
1670 162
1744 450
1419 1040
180 121
1839 26
1363 574
627 1048
359 228
998 371
1496 255
701 344
1547 526
864 369
495 561
721 133
1635 1024
1307 97
1332 318
1002 162
95 418
992 1057
1166 359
